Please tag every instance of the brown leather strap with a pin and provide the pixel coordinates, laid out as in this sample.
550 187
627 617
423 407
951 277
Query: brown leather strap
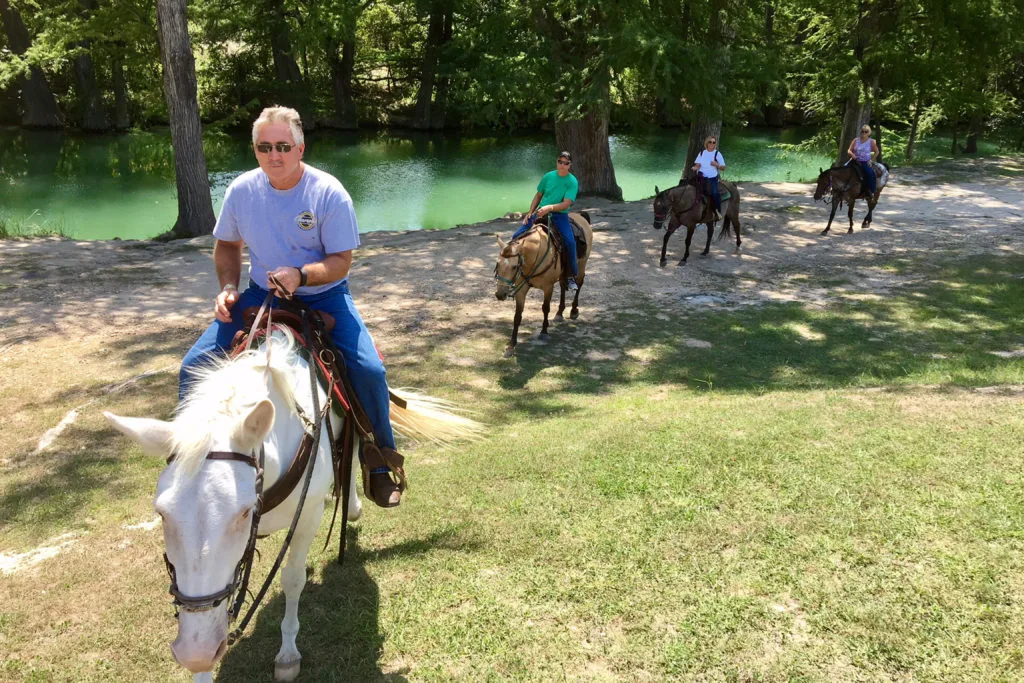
286 483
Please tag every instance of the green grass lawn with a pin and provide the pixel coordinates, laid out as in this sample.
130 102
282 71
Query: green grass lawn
824 494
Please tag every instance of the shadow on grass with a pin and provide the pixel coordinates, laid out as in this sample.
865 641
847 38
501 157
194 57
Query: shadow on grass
943 327
339 637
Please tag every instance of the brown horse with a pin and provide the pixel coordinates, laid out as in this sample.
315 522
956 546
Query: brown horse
843 184
685 207
532 260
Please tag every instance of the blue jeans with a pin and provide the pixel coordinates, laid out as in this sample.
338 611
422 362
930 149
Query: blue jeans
713 189
869 175
365 368
561 222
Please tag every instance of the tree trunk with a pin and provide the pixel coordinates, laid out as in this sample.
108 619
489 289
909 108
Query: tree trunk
855 115
431 57
587 140
92 118
195 209
341 79
956 134
914 124
703 125
439 110
122 121
293 86
974 125
39 106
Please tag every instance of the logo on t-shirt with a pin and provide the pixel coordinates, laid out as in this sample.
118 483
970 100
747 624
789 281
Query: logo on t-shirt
305 220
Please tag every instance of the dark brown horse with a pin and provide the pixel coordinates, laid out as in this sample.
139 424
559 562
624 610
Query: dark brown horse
683 206
843 184
532 260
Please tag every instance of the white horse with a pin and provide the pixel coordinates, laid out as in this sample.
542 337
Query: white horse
206 504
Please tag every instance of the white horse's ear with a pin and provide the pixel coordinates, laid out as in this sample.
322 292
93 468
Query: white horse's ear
500 243
257 425
153 435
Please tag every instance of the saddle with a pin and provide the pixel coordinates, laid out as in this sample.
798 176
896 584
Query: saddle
314 337
577 233
700 183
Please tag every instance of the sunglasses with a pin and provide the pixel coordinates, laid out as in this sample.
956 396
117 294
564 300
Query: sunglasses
563 162
864 130
265 147
712 142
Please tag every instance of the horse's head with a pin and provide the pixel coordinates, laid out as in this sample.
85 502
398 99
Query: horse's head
661 207
509 269
824 183
206 505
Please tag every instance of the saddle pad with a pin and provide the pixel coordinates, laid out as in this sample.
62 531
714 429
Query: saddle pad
723 193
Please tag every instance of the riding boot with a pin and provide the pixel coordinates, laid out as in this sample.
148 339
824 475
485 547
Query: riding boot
382 487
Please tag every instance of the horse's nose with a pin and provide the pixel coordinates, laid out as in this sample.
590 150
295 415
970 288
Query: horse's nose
500 295
196 658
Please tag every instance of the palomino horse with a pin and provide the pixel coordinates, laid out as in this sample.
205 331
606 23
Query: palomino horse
211 491
532 261
682 205
842 184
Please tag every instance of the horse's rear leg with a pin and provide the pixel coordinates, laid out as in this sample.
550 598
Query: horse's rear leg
871 209
575 312
735 221
293 580
510 350
850 216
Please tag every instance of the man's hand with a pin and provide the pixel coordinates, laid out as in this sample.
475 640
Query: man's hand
225 300
289 276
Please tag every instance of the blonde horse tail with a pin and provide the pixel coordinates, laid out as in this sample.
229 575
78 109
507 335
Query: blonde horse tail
426 418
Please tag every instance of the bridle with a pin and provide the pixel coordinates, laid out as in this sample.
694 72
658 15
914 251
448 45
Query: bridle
240 581
519 278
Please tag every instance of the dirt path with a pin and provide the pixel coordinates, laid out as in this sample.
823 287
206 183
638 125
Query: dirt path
414 288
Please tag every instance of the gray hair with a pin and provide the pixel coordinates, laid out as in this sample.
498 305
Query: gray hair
278 114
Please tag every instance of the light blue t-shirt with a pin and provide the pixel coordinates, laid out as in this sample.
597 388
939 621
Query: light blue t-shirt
288 227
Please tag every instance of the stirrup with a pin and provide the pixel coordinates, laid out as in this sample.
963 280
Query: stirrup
383 488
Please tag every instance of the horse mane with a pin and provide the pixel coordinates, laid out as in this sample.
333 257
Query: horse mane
223 393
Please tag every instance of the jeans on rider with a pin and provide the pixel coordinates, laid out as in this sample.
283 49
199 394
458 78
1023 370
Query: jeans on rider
363 363
869 175
713 189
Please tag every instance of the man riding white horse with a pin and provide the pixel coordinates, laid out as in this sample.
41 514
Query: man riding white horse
300 227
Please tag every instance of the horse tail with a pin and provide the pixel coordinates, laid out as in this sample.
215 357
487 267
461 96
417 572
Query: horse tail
586 214
426 418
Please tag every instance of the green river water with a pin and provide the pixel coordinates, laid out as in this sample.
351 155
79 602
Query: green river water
101 187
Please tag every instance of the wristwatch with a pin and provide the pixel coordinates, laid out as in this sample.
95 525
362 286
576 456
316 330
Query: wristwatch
228 288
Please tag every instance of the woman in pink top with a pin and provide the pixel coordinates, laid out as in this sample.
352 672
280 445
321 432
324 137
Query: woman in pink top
863 150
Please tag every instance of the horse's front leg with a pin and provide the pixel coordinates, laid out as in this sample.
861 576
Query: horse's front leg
831 216
689 238
664 243
871 209
293 580
510 350
575 312
850 215
546 308
561 300
711 231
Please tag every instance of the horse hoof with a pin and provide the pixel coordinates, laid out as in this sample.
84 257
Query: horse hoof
664 262
287 671
824 232
574 315
559 318
544 336
510 351
703 256
682 262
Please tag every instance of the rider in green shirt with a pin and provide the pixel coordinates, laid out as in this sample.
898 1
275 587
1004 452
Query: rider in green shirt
556 192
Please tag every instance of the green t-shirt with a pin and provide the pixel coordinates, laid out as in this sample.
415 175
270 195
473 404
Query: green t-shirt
554 188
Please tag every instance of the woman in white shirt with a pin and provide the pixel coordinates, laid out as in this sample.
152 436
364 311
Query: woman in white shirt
708 163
